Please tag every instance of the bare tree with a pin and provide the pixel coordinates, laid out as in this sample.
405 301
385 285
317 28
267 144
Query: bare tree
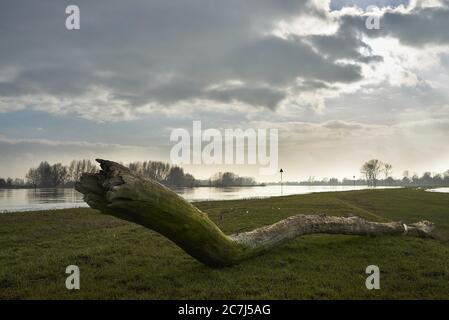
75 170
32 177
371 169
78 167
59 175
156 170
388 168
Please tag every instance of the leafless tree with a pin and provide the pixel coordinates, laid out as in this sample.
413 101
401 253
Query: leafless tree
32 177
371 170
387 169
59 175
78 167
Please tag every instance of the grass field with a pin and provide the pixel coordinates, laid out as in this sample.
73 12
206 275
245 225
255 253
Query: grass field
120 260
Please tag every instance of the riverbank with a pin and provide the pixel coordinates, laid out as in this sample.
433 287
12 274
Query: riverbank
14 200
122 260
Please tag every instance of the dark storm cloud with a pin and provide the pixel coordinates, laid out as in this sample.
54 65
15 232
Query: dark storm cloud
338 4
422 26
161 52
344 45
261 96
279 61
417 27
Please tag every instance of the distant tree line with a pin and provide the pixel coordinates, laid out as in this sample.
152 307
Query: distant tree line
164 173
175 176
12 183
374 173
427 179
47 175
377 173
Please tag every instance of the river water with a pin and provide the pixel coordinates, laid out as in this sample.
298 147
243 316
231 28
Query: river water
56 198
443 189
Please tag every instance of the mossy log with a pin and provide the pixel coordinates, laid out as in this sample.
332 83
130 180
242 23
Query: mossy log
117 191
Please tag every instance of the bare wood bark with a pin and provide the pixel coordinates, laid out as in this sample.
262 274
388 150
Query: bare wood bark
117 191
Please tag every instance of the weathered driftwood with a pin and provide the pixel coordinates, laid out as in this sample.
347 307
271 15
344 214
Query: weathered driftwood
121 193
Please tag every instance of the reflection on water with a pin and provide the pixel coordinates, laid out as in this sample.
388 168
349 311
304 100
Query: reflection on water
53 198
444 190
233 193
39 199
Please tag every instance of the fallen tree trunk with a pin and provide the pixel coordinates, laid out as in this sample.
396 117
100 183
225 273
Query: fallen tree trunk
117 191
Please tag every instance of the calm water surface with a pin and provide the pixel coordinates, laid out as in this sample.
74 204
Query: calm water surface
39 199
53 198
444 190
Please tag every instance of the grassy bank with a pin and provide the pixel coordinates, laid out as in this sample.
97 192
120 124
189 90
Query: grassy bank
122 260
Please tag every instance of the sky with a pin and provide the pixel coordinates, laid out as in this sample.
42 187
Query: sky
338 92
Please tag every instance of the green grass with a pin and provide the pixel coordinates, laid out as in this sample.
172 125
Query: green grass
120 260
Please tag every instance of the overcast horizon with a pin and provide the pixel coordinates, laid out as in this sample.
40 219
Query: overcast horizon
339 93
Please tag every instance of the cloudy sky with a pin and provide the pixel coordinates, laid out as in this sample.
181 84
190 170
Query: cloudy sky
338 92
